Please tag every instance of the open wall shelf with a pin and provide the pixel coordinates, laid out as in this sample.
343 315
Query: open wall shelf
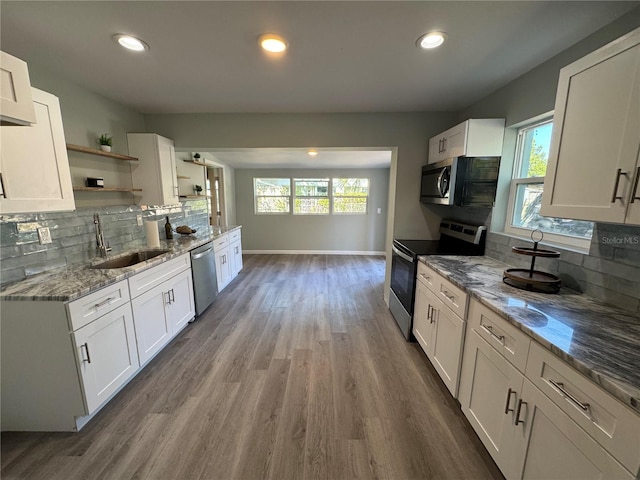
105 189
95 151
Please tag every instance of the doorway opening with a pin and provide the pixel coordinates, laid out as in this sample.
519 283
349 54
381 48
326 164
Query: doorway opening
215 193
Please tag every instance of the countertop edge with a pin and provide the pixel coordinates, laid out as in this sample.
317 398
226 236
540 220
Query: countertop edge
617 388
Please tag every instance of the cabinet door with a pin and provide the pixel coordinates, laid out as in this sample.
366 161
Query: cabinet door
551 445
455 140
107 356
152 325
435 147
489 392
235 254
448 336
181 307
596 134
168 171
223 268
16 102
423 322
34 164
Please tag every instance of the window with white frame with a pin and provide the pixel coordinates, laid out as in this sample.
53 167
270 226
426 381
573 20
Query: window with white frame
311 196
272 195
525 198
350 195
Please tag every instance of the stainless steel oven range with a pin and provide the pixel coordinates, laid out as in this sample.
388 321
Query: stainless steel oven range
455 239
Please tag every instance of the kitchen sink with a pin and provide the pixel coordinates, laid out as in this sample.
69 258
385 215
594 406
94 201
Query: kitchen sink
129 260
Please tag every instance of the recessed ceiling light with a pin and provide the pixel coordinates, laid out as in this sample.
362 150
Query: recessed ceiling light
272 43
131 43
431 40
312 153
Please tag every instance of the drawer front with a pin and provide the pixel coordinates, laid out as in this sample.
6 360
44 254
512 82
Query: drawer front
452 296
233 236
607 420
90 307
145 281
499 333
427 276
221 242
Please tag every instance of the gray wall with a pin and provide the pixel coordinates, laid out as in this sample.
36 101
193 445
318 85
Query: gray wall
362 233
611 270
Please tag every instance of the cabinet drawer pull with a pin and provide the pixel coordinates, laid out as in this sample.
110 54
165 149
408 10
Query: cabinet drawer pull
2 192
166 300
450 297
560 387
103 303
634 195
425 276
172 296
518 421
430 313
489 329
615 195
86 348
506 407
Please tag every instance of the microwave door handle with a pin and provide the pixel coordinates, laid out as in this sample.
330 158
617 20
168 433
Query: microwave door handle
402 254
442 187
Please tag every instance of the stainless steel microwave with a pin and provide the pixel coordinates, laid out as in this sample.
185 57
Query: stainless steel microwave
461 181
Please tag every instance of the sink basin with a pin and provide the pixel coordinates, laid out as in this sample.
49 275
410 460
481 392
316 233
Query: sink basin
131 259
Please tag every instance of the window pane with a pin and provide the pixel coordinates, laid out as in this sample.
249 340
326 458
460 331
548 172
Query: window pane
272 186
350 205
352 187
526 214
272 204
535 144
317 187
311 206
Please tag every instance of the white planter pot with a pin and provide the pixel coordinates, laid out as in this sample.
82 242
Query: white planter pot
105 148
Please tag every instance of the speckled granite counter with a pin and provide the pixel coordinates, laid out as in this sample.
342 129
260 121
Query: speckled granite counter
75 281
600 341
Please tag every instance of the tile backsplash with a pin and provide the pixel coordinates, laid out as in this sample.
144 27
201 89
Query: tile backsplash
73 234
609 273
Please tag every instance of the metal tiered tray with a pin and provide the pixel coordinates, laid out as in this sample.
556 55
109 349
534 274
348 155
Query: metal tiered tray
532 279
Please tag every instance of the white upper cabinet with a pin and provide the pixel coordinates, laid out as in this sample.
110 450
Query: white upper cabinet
155 173
16 103
34 167
474 138
594 167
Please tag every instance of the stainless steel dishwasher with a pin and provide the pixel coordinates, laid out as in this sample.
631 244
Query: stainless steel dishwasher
205 284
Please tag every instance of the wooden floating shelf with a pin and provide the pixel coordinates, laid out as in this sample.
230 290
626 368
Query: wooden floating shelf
105 189
95 151
183 177
202 164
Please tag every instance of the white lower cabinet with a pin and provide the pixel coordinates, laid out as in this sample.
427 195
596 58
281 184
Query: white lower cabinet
223 267
235 254
106 354
228 254
528 435
161 312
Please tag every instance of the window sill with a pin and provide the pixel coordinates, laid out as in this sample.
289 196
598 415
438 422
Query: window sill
524 238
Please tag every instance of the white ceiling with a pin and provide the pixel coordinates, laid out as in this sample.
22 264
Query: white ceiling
344 56
328 158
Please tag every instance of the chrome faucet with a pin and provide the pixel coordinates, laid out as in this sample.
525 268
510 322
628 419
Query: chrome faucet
103 247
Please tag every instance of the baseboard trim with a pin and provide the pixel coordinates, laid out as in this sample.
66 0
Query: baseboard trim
311 252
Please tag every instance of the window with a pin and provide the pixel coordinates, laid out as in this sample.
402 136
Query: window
272 195
311 196
525 198
350 195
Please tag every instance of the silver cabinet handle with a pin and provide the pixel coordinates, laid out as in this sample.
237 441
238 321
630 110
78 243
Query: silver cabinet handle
430 312
425 277
2 192
449 297
634 194
103 303
518 421
489 329
560 387
172 296
86 348
615 195
166 300
506 407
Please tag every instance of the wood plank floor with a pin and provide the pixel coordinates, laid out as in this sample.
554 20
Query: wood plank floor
297 371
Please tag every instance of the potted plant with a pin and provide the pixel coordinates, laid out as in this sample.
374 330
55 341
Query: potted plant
197 189
196 157
105 142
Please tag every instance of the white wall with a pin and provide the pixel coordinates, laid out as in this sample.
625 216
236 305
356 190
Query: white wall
338 233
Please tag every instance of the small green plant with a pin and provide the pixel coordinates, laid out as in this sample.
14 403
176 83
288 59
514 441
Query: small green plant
197 189
105 139
197 156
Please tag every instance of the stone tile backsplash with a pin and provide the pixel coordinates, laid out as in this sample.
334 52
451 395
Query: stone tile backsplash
73 234
609 273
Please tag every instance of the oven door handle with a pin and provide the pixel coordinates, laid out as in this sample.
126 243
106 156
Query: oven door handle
402 254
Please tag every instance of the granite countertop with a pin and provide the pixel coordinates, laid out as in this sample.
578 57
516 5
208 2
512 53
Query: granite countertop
600 341
72 282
